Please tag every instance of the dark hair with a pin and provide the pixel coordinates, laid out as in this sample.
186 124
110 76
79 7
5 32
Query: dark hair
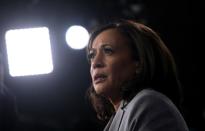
157 66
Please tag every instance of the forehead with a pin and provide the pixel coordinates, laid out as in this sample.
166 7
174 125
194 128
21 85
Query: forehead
111 37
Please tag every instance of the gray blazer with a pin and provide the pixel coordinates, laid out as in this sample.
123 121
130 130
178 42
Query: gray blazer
149 110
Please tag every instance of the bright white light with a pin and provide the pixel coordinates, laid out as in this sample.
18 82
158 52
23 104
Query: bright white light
29 51
77 37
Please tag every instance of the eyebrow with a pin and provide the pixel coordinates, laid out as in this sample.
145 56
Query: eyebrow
103 45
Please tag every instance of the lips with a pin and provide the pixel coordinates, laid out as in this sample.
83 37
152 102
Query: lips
99 78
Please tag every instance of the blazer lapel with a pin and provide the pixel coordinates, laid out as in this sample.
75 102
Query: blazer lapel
115 122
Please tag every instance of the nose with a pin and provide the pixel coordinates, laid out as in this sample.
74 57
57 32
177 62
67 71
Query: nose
97 61
97 65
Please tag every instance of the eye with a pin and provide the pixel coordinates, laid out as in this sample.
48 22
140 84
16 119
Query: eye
108 50
91 55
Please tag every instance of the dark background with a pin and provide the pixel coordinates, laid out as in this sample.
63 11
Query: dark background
57 101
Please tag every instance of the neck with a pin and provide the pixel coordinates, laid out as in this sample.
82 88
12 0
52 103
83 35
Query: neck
116 103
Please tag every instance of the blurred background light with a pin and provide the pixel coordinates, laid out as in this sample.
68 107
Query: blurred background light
29 51
56 101
77 37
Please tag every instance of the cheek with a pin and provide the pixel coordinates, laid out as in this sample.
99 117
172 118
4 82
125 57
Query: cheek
122 71
116 75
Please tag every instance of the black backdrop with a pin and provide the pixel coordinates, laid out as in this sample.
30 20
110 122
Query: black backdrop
57 101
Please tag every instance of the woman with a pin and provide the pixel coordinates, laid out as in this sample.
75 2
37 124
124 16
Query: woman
134 79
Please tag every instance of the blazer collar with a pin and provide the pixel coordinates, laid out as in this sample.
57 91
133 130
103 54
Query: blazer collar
116 119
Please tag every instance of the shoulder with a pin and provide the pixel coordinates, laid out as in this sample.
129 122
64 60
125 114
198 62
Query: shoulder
151 101
148 97
150 109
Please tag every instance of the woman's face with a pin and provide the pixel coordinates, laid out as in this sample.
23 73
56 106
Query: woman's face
111 62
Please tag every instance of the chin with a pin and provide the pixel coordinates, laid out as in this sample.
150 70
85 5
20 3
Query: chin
100 89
